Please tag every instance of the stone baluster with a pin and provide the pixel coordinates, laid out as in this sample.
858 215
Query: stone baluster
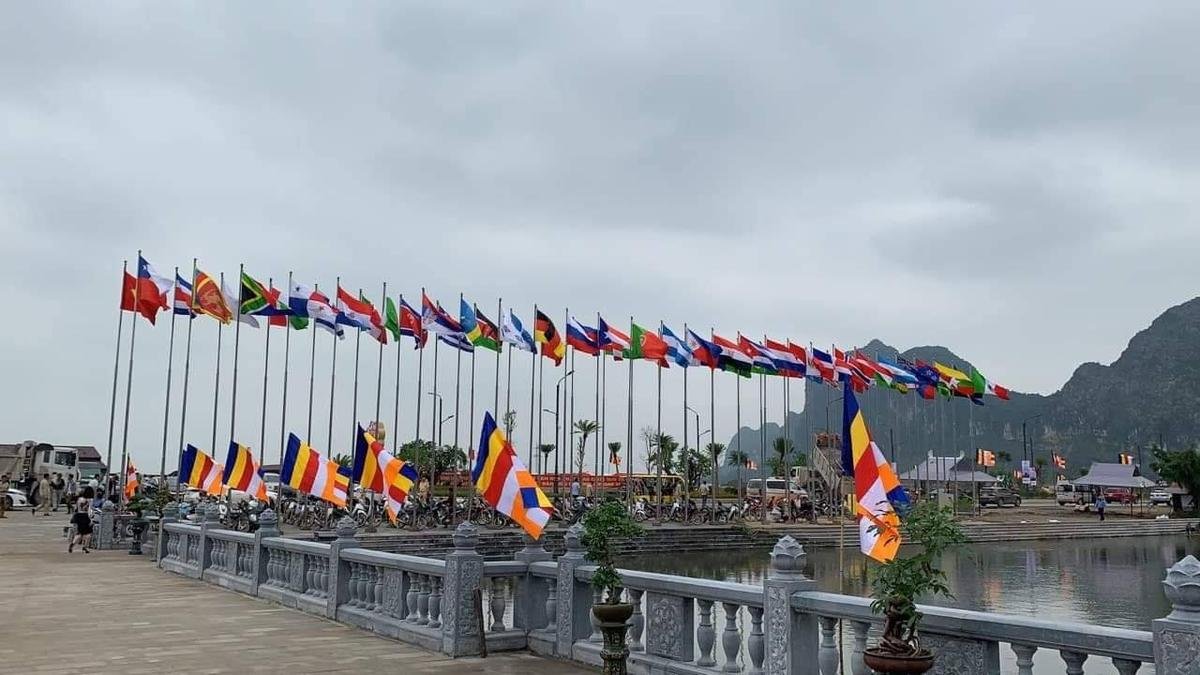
259 564
1126 666
705 635
323 591
597 598
731 638
755 645
377 594
829 656
1074 661
1024 658
791 637
353 599
1177 635
410 598
435 602
637 622
371 602
463 577
528 592
498 604
551 604
337 588
310 576
423 600
861 630
364 583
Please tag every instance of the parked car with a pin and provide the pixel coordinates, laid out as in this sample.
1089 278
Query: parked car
1160 496
15 499
776 487
1118 495
998 496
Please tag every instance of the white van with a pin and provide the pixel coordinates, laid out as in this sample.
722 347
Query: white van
776 487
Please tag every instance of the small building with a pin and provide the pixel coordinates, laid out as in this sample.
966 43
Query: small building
1106 475
949 471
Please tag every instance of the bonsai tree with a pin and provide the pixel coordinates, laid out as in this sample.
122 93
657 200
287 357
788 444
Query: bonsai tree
601 527
898 583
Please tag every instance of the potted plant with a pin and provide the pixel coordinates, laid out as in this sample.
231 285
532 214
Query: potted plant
897 584
602 526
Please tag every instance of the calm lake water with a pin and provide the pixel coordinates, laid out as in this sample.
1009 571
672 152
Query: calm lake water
1110 582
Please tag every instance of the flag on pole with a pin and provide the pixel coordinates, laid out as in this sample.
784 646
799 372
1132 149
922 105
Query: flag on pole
822 363
581 338
677 350
231 300
404 320
783 358
242 473
254 297
360 313
611 340
514 333
282 315
208 299
876 486
731 358
436 320
312 304
758 355
479 330
644 344
457 340
183 297
198 470
1060 462
505 484
704 352
1125 459
306 470
985 457
146 293
378 470
131 479
546 335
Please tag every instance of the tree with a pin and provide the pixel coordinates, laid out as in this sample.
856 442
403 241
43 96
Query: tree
343 460
740 459
782 448
614 454
584 428
510 422
1040 463
1181 467
1003 457
714 452
663 447
545 449
693 465
425 455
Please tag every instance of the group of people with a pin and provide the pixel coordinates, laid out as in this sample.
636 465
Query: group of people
52 492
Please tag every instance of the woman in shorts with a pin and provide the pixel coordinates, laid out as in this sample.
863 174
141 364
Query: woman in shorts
83 529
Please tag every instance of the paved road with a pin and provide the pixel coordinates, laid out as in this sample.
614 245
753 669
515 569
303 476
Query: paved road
107 612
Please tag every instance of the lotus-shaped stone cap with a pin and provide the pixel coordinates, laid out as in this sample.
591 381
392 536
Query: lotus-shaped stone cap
465 537
267 518
212 513
574 538
345 528
1182 587
787 556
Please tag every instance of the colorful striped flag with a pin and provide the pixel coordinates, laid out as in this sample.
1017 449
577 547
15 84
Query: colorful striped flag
306 470
1125 459
876 486
504 482
546 335
985 457
241 472
377 470
198 470
131 479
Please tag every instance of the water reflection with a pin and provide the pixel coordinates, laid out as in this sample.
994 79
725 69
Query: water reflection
1111 582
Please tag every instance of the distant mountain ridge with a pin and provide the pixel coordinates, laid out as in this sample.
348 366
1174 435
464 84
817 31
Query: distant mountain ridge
1150 393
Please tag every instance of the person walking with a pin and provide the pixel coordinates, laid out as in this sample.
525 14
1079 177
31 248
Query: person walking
4 486
83 529
45 494
72 491
57 487
1101 504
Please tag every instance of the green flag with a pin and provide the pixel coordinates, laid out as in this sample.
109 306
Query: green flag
644 344
391 318
254 296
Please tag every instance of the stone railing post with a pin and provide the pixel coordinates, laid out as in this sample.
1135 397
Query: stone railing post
104 536
574 621
1177 636
529 601
211 515
338 591
170 515
464 576
268 526
791 637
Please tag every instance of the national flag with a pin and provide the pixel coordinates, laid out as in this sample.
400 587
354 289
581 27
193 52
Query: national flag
404 320
546 335
677 350
514 333
198 470
581 338
376 469
955 380
758 354
900 377
254 298
1125 459
505 484
360 313
131 479
146 293
841 365
436 320
876 486
242 473
479 330
985 457
208 299
282 316
644 344
785 360
232 301
822 363
1060 462
985 386
704 352
306 470
312 304
182 301
611 340
732 358
929 381
457 340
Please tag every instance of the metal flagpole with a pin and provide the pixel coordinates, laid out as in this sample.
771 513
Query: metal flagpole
333 376
629 438
712 423
737 434
602 385
137 287
499 348
658 450
534 410
566 444
596 413
762 439
457 425
217 382
112 406
237 333
262 435
162 460
687 460
187 368
287 345
379 369
435 430
571 417
396 400
420 367
312 370
354 408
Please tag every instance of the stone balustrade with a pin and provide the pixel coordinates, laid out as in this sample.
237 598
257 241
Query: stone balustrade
680 624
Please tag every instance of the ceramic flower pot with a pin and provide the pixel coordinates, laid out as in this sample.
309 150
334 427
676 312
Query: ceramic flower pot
613 621
891 664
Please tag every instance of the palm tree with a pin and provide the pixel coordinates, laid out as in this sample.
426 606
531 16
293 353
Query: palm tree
1040 462
584 428
545 449
614 454
782 447
664 452
343 460
510 422
714 451
740 459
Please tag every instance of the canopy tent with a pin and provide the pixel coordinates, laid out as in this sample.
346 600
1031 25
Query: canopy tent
947 470
1103 474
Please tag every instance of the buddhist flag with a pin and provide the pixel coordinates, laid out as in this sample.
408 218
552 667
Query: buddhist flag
504 482
377 470
985 457
241 472
198 470
1125 459
875 484
131 479
306 470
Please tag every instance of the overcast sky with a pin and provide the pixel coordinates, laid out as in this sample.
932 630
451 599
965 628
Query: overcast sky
1018 183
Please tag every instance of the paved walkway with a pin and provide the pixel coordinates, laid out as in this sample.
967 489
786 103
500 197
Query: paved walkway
108 612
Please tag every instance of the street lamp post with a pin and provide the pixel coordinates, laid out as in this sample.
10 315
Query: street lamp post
541 453
437 439
558 451
1027 447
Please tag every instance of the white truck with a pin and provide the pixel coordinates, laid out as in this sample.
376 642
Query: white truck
35 459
